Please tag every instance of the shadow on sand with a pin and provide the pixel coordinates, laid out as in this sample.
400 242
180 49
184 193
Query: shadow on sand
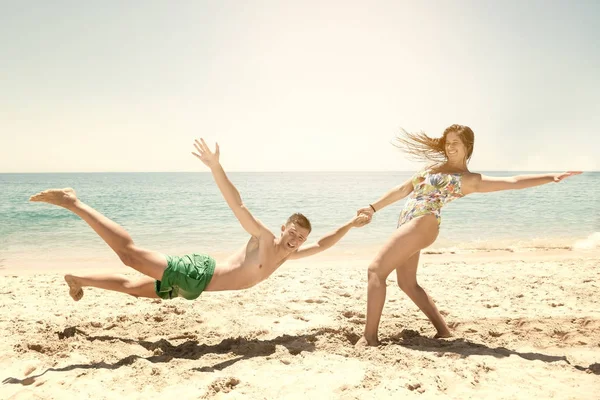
245 349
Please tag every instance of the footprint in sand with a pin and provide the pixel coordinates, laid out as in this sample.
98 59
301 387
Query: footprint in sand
485 368
520 323
415 386
354 317
440 383
350 314
37 347
221 385
453 324
562 335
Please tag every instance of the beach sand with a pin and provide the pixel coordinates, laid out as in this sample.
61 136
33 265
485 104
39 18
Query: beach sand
527 325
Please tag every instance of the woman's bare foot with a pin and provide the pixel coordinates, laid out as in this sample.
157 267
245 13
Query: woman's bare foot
364 342
59 197
75 290
442 335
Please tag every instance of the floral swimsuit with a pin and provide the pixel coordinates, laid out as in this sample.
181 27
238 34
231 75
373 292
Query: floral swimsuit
431 192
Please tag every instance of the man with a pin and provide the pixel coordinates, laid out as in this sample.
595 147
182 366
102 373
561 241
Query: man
188 276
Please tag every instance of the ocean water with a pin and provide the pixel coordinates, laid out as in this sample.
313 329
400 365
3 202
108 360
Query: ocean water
181 212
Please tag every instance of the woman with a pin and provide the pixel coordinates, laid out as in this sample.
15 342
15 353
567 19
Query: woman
448 178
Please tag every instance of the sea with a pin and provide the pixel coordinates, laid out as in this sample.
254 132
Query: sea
185 212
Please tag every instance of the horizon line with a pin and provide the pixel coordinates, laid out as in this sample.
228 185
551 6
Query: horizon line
263 171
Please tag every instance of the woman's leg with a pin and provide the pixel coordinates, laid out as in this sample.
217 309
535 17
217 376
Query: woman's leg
407 280
409 239
143 287
149 263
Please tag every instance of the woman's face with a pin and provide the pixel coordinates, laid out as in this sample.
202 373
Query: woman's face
456 151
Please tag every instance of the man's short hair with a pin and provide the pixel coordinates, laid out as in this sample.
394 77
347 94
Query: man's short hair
299 220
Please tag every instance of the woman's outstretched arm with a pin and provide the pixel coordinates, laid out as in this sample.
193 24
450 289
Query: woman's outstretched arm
392 196
484 184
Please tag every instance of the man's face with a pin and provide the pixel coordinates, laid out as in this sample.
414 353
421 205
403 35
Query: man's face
293 236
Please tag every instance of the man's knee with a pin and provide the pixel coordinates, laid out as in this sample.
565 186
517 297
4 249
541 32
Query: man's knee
131 288
128 255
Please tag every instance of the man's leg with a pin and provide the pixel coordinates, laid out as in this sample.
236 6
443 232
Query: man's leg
143 287
149 263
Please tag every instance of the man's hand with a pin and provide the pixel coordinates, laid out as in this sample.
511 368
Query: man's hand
368 211
360 220
209 158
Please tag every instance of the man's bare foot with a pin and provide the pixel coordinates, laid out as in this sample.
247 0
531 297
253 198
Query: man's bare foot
364 342
59 197
442 335
75 290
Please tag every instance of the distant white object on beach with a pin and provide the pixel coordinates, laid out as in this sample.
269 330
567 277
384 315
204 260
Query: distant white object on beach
592 242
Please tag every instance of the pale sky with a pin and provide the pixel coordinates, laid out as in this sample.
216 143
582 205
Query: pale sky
295 85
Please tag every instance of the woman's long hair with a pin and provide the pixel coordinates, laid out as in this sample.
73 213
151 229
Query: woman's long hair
421 147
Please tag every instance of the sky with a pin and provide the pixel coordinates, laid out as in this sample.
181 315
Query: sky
295 85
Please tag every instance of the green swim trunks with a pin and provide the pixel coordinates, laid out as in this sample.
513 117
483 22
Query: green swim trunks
186 276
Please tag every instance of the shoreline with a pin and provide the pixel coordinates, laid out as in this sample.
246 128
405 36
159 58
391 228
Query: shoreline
355 258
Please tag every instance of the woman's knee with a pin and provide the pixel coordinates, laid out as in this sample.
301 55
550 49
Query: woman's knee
407 284
376 272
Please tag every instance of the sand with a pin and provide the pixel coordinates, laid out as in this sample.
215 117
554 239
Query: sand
527 326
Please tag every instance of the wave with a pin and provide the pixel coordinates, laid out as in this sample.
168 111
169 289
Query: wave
592 242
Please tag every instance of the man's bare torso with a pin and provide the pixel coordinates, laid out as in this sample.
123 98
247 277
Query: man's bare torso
248 266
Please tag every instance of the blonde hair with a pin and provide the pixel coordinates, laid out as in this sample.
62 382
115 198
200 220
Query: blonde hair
299 220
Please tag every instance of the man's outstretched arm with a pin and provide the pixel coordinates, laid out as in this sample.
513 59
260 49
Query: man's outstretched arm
229 192
330 239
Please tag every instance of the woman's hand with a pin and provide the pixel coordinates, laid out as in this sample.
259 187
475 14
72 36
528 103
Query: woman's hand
564 175
368 211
